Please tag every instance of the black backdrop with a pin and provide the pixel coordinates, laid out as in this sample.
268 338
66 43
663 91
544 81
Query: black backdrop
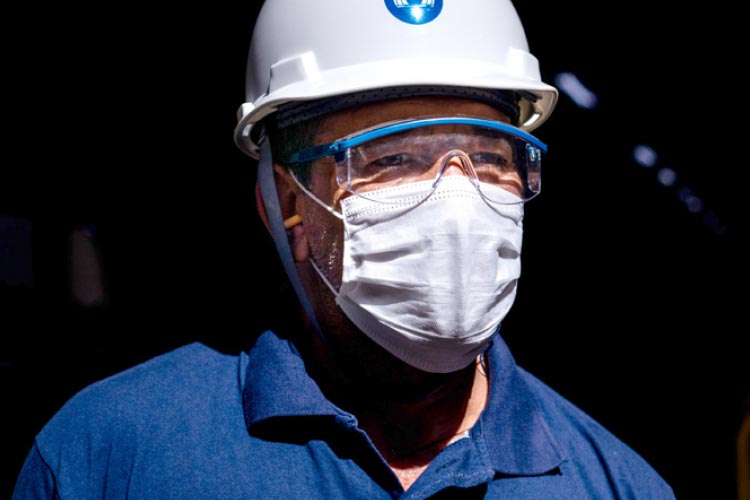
121 117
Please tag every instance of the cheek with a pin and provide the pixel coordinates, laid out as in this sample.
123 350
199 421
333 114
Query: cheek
324 231
325 235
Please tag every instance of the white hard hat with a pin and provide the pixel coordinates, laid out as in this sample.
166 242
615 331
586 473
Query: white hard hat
303 50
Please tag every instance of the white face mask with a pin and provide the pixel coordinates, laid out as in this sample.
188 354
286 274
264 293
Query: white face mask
430 282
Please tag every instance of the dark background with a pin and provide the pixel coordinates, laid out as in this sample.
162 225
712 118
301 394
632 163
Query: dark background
120 118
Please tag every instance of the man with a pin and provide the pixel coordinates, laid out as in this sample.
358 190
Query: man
394 163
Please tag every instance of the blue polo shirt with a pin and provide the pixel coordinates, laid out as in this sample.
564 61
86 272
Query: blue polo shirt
198 424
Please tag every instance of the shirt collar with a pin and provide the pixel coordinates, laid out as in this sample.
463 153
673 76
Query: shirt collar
276 384
512 434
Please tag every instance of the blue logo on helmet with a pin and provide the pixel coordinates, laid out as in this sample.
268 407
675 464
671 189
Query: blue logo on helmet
415 11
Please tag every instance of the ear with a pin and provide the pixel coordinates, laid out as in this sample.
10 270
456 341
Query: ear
287 191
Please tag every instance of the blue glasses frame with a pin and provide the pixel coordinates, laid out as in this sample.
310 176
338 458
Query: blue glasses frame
337 148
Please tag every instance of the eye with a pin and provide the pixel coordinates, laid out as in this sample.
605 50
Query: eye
486 159
388 168
396 160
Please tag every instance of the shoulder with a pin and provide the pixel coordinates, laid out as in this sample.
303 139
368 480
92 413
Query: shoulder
149 399
190 369
594 452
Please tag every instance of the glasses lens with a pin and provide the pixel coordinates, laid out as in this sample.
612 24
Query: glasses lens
497 160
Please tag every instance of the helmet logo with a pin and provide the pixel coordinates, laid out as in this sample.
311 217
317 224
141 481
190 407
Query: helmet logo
415 11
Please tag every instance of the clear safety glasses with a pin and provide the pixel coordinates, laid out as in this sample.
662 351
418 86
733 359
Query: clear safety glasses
490 153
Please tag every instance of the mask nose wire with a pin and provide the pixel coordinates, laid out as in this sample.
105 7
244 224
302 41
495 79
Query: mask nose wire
466 166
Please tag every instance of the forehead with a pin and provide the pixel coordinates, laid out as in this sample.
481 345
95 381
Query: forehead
345 122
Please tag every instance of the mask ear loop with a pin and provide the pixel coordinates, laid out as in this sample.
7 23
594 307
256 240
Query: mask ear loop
267 184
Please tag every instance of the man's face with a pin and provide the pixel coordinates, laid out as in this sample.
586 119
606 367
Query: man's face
323 232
